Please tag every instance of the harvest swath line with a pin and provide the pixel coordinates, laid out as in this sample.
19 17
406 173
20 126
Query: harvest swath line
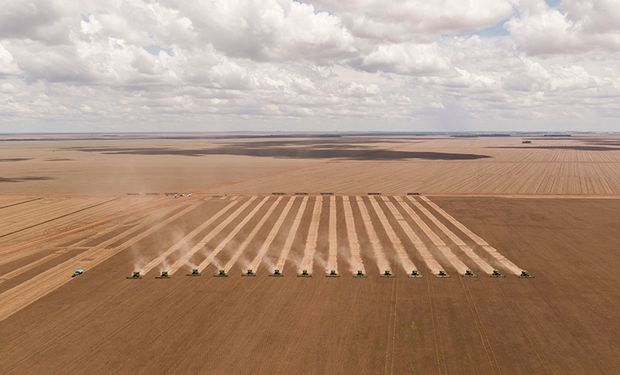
288 243
507 264
22 202
407 264
380 259
33 289
251 235
354 245
313 236
426 255
183 241
205 263
185 258
272 235
332 259
454 238
439 244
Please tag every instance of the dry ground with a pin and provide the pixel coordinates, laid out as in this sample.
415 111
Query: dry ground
561 321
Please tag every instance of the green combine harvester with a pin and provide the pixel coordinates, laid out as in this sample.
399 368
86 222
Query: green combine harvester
163 275
194 272
496 274
415 273
221 273
304 273
442 274
387 273
333 273
276 273
135 275
469 273
359 274
249 272
525 275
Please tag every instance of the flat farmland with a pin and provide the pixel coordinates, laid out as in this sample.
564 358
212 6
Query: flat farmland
382 210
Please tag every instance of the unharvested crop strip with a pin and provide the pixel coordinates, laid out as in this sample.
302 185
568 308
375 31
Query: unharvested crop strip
179 244
478 240
233 259
288 243
354 244
22 295
313 235
205 263
375 244
272 235
396 243
484 266
209 236
332 258
426 255
439 244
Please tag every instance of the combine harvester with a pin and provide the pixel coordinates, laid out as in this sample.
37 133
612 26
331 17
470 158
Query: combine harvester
194 272
332 273
304 273
525 275
496 274
249 272
276 273
469 273
135 275
387 273
359 274
163 275
442 274
221 273
415 273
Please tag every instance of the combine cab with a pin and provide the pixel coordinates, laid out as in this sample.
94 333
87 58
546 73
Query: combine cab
194 272
163 275
442 274
495 274
387 273
249 272
525 275
304 273
221 273
359 274
415 273
78 272
135 275
333 273
276 273
469 273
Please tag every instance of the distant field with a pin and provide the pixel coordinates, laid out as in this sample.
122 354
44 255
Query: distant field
432 165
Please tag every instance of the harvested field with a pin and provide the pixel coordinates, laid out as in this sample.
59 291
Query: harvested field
417 323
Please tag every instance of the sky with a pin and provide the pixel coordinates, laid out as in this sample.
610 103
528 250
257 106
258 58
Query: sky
324 65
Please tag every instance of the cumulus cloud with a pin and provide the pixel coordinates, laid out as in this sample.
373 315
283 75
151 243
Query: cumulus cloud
210 65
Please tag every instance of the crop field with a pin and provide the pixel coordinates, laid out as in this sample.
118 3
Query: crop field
378 266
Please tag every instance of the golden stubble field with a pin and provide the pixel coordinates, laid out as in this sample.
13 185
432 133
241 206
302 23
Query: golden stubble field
486 205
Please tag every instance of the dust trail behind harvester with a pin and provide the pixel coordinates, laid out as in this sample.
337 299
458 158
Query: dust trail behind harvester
356 260
185 258
332 258
479 241
255 263
288 243
313 235
379 256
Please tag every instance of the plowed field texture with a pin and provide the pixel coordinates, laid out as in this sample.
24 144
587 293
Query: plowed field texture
310 255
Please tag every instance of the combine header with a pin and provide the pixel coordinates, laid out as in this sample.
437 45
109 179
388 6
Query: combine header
221 273
415 273
249 272
78 272
304 273
194 272
163 275
387 273
333 273
496 274
469 273
276 273
135 275
359 274
442 274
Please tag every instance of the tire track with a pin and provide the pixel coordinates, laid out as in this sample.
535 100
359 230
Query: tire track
22 202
